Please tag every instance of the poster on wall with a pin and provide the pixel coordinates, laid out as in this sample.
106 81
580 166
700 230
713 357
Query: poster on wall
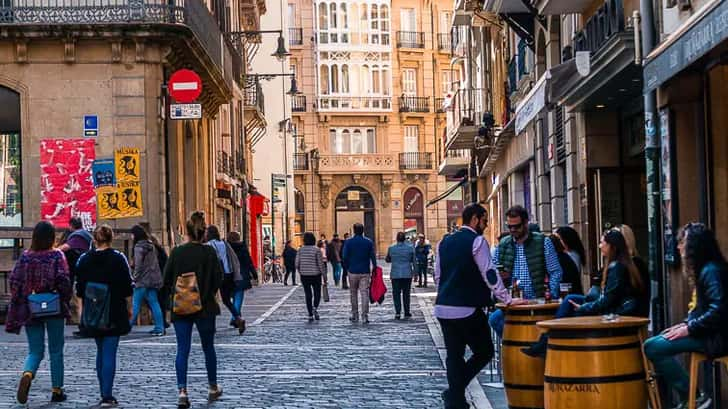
67 185
666 188
122 197
104 174
127 165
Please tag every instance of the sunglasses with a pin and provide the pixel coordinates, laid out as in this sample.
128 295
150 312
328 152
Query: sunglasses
514 226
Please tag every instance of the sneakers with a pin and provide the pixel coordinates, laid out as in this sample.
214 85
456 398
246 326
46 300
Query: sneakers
310 318
407 316
241 326
354 318
365 320
156 333
183 401
702 402
108 403
316 314
58 395
214 393
397 317
24 387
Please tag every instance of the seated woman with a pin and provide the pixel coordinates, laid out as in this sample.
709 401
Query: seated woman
704 330
621 286
569 268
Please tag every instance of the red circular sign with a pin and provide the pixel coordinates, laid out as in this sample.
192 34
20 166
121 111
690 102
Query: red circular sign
184 86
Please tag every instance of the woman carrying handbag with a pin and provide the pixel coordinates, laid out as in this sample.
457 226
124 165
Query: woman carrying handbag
40 293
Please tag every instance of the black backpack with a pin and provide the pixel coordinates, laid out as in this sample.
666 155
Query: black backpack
95 315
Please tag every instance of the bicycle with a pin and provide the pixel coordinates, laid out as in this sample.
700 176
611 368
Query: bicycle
272 270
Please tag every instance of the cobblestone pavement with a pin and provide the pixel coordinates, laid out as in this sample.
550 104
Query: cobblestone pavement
282 361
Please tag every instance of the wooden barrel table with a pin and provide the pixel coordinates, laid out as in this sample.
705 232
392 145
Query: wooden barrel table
523 375
595 363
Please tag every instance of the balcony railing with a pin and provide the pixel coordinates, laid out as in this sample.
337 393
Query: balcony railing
410 39
415 160
300 161
240 163
365 163
295 36
253 97
329 103
444 42
298 103
467 109
414 104
439 102
223 163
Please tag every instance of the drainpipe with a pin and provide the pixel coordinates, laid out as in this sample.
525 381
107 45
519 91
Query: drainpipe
652 162
167 179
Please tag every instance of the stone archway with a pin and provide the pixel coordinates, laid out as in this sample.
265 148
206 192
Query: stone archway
355 204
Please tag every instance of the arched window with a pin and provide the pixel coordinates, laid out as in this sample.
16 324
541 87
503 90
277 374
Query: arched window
371 141
324 79
11 193
344 23
363 24
386 85
376 80
357 143
332 18
323 17
334 79
337 147
384 24
344 79
346 141
365 80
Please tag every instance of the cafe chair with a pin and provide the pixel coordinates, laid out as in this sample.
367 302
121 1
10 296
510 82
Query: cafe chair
696 358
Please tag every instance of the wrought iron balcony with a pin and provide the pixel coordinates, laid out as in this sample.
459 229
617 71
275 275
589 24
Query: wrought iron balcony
357 163
298 103
295 36
454 161
253 97
463 121
410 39
414 104
439 102
223 163
300 161
415 161
444 42
240 163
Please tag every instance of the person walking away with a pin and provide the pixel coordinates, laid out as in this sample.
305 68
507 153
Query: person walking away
528 258
422 252
40 271
289 261
466 281
312 267
246 268
77 242
104 279
333 252
267 248
147 279
402 257
570 271
621 288
231 277
704 330
195 273
345 272
162 261
360 260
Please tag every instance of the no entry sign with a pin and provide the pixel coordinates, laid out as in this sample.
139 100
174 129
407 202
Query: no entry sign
185 86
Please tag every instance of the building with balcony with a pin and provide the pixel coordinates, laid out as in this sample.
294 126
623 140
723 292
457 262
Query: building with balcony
369 119
60 62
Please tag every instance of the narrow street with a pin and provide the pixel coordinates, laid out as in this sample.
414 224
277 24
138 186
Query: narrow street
282 361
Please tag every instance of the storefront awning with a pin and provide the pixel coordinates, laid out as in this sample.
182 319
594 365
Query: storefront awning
448 192
506 6
568 75
696 37
560 7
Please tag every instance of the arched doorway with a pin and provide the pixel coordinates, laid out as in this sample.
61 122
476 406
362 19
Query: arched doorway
299 224
414 212
355 205
11 194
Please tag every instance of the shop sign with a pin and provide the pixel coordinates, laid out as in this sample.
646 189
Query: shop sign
702 37
413 203
454 208
606 22
352 195
534 102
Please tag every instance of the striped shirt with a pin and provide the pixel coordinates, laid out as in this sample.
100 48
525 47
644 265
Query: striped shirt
310 262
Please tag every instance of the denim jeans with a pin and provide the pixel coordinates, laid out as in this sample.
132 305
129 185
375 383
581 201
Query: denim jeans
497 321
106 348
238 299
183 331
401 288
36 346
151 295
662 353
336 265
566 309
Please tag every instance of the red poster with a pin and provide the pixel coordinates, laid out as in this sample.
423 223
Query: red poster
67 187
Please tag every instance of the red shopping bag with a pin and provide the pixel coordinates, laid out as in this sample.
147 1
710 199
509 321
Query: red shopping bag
377 289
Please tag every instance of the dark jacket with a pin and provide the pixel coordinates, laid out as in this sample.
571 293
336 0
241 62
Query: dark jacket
333 250
618 296
202 260
246 263
461 283
108 267
570 273
644 298
289 258
707 320
358 253
146 266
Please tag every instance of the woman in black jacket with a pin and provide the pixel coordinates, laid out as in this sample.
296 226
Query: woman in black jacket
568 267
244 284
108 267
289 260
704 330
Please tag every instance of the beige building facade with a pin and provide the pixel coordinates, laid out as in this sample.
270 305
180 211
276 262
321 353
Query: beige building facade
369 121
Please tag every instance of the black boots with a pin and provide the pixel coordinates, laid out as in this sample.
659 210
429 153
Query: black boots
538 349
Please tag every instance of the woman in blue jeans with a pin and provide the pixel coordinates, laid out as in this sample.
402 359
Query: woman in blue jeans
195 257
704 330
40 270
147 279
109 267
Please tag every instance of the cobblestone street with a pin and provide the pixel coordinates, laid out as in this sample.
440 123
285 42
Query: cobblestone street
282 361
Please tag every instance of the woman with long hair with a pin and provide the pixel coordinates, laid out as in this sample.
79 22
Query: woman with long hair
645 296
572 245
569 268
704 330
41 269
311 268
620 289
104 267
147 279
198 306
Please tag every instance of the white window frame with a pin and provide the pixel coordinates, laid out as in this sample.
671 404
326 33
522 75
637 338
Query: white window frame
359 142
409 15
411 138
409 82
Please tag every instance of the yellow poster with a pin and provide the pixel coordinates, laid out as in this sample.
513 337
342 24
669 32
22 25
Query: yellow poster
127 165
130 199
107 198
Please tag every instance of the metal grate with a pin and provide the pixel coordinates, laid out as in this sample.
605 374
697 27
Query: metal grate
560 142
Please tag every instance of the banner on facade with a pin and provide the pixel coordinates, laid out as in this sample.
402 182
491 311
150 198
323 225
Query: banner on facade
532 104
67 185
127 165
413 204
104 172
123 197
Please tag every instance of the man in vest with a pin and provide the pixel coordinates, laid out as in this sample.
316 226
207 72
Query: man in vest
525 257
466 279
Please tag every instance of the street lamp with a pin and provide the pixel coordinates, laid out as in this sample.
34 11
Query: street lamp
281 52
268 77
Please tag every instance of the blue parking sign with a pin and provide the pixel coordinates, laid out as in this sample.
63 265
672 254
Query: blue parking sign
90 126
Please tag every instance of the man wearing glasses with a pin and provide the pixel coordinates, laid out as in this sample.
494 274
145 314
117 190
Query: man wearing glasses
527 258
